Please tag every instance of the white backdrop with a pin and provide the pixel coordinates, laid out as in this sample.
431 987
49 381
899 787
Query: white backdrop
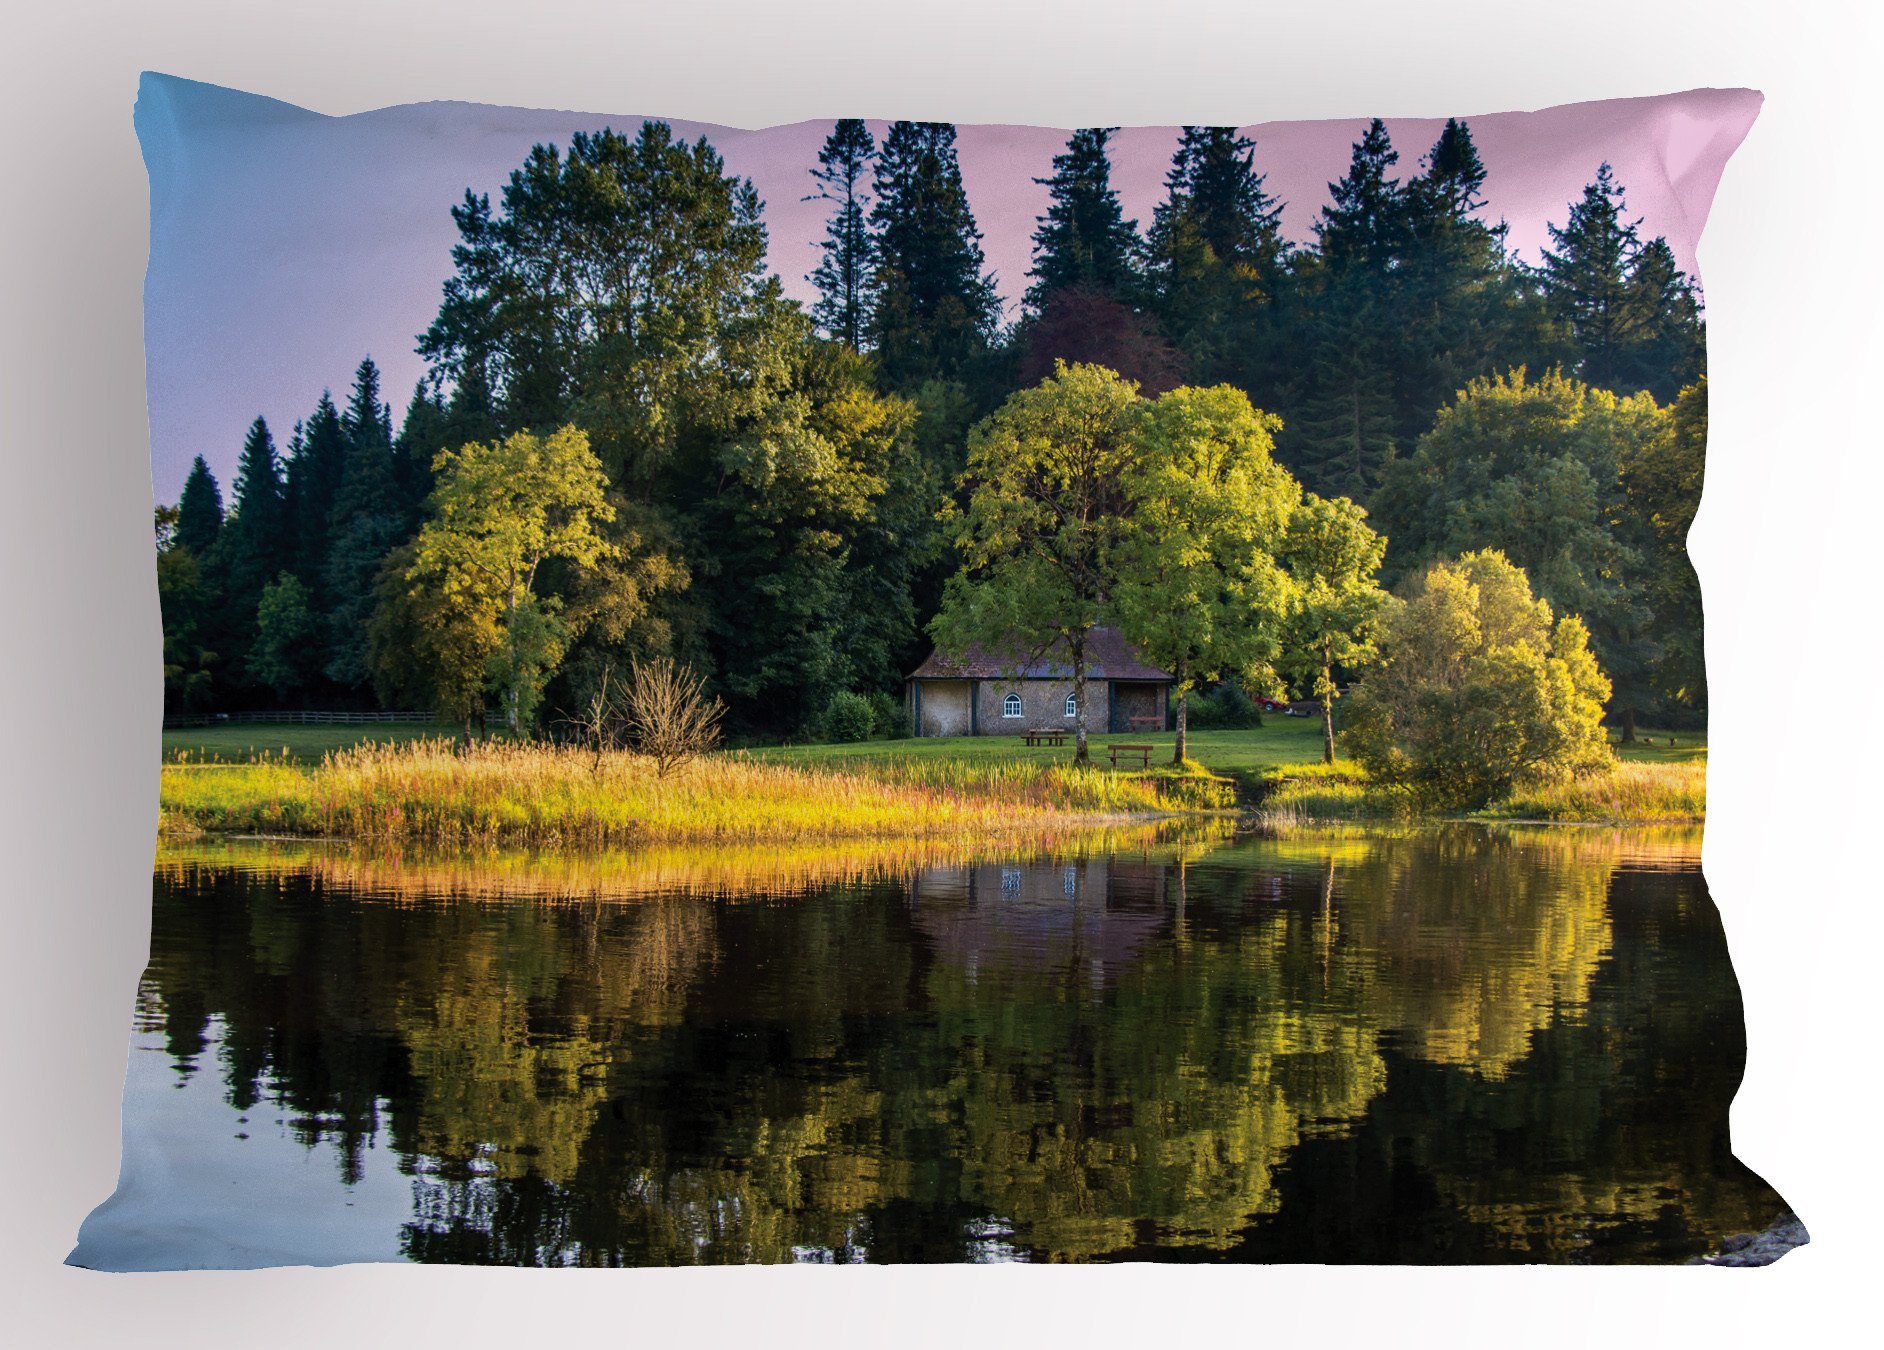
1786 545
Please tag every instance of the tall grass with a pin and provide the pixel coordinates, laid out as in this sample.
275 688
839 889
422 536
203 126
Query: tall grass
1670 792
1635 793
543 796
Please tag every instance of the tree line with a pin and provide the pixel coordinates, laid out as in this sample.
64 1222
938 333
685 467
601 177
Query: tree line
630 443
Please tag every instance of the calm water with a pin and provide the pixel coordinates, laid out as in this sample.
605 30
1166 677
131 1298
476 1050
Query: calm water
1454 1045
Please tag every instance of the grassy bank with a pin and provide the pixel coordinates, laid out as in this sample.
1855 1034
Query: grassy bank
378 783
1632 792
428 792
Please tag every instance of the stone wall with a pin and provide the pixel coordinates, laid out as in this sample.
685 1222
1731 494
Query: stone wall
1043 706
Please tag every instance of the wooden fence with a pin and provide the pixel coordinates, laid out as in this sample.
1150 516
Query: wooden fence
345 719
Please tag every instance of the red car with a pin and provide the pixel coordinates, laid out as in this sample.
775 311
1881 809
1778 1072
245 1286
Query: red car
1274 705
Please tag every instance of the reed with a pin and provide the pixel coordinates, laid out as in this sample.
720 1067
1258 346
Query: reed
435 792
1626 792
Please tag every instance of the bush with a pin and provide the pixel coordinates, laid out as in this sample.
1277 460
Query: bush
1478 690
1223 708
848 717
891 719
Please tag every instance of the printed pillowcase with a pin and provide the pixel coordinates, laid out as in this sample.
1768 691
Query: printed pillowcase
894 691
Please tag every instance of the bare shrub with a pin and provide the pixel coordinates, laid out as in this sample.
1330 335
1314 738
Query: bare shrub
670 717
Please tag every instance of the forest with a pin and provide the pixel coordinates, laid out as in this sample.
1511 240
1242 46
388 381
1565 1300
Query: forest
630 444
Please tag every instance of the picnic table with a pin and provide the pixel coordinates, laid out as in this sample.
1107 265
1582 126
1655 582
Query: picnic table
1142 751
1048 736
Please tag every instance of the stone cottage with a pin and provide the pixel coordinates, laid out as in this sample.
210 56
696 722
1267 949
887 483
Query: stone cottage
994 694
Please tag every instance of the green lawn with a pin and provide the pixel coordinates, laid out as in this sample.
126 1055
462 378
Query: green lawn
301 743
1242 753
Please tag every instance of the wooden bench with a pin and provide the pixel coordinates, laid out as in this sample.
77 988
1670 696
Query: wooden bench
1049 736
1142 751
1148 722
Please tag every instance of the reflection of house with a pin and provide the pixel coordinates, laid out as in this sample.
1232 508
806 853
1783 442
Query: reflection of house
991 693
1090 917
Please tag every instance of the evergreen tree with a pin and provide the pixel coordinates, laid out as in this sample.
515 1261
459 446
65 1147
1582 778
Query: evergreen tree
1669 351
422 434
368 522
1343 432
1084 239
199 511
843 272
1364 226
1587 279
315 475
1217 258
933 309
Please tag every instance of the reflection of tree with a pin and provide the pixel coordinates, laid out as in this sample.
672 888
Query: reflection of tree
1149 1051
1479 939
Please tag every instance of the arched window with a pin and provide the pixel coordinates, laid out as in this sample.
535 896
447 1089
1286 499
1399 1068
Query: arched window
1010 706
1072 706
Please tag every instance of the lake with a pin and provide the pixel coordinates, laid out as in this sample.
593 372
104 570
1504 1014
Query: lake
1444 1044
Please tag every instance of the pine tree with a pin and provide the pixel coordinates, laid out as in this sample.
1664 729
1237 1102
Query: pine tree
315 475
1364 227
199 511
843 273
1215 200
254 545
933 309
1464 308
1587 279
1344 431
422 434
367 522
1084 239
1669 350
1217 259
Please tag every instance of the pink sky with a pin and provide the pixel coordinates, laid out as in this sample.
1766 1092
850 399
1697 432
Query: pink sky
286 244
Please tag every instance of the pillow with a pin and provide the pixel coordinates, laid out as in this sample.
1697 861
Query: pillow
902 692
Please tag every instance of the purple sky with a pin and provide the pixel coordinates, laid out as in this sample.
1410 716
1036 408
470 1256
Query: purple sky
286 244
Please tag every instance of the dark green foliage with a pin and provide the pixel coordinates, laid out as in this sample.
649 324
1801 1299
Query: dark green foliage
1084 239
843 273
1631 312
370 519
1217 258
933 309
779 477
847 717
199 511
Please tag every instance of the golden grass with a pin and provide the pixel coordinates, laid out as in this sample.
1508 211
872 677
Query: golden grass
1625 793
1653 793
432 792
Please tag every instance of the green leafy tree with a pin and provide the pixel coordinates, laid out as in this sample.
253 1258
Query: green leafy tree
1333 558
498 513
1662 478
185 602
843 272
619 287
933 309
287 638
1048 502
429 646
1533 467
199 511
1478 689
1197 587
1084 239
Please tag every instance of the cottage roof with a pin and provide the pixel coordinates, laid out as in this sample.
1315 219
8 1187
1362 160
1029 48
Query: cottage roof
1108 657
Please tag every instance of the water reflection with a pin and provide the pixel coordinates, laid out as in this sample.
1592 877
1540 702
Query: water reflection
1455 1044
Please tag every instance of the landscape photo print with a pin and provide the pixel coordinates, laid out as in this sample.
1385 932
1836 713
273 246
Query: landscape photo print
886 691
